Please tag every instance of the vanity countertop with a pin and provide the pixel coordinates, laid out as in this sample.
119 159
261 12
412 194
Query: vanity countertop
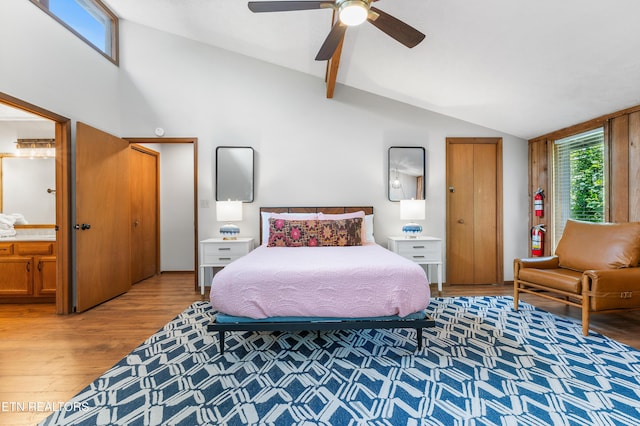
28 237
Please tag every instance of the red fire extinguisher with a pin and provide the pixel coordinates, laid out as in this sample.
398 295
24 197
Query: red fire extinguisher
537 240
538 203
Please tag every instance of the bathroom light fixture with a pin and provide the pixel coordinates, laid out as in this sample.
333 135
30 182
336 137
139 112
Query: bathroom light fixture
412 210
32 148
353 12
229 211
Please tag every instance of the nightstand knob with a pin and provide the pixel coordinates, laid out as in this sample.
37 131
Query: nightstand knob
460 220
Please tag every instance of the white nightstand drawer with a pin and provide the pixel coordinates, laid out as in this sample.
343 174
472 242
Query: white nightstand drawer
213 252
220 259
420 252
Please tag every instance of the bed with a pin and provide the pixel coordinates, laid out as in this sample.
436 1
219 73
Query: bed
331 276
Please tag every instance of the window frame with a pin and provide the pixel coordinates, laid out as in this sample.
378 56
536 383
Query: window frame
554 233
113 56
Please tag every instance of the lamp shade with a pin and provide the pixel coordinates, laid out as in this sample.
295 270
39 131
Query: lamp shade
412 209
228 211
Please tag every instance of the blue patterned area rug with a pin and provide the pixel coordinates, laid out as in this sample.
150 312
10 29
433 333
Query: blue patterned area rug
482 364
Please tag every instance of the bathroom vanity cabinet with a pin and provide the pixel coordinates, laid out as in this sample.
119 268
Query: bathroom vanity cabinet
27 270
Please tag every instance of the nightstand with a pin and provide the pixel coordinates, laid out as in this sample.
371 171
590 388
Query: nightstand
218 253
422 250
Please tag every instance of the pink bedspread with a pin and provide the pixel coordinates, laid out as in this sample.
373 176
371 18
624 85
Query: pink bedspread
361 281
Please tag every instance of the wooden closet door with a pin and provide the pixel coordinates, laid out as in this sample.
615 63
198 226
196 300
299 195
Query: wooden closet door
103 240
144 213
461 230
484 214
474 220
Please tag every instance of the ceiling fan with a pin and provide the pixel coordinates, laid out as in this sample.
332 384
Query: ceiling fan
350 13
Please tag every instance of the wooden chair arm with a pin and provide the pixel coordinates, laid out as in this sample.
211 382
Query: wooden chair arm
546 262
615 280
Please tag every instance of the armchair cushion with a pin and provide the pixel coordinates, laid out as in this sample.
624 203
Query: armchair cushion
558 279
586 245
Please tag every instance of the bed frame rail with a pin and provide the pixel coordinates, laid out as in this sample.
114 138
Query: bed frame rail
311 325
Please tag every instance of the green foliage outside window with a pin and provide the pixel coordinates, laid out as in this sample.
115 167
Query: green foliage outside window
587 184
578 180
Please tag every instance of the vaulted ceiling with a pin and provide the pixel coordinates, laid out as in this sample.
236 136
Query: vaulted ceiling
521 67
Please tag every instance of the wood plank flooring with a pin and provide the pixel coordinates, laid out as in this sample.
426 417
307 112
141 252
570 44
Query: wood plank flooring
46 358
49 358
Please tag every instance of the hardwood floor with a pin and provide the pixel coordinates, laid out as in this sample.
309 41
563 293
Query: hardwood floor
46 358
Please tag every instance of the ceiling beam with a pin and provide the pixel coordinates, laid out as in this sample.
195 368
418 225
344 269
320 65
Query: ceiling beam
332 70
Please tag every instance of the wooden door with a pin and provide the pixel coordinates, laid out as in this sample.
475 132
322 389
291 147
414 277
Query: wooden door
474 211
144 213
103 250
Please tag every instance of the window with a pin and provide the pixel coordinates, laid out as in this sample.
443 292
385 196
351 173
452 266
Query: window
578 179
90 20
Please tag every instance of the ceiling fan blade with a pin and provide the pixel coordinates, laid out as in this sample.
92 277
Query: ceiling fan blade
332 41
404 33
285 6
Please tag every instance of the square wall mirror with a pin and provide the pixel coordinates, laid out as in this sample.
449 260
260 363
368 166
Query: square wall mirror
234 173
406 173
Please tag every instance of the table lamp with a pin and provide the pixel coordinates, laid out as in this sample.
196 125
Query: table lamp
229 211
412 210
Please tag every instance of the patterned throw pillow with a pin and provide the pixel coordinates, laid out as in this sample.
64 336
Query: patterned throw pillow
292 233
343 232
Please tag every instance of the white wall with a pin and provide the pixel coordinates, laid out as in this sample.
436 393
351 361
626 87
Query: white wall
309 150
12 130
44 64
176 206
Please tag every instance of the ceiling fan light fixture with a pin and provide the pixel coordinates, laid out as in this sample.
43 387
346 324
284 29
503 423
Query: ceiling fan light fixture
353 12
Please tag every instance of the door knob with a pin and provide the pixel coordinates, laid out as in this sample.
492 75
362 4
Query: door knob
460 220
85 226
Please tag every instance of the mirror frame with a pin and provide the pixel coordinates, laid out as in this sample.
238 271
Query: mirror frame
421 158
245 199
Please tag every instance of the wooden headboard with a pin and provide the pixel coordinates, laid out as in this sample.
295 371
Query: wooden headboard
325 210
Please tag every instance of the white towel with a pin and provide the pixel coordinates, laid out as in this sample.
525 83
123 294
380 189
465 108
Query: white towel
7 221
7 232
20 220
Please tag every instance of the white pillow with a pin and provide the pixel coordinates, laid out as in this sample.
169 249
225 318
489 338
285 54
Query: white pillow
368 226
292 216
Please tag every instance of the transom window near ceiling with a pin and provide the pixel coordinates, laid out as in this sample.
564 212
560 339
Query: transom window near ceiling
578 179
90 20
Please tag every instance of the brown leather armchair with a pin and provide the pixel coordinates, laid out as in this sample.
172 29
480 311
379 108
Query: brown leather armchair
595 268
